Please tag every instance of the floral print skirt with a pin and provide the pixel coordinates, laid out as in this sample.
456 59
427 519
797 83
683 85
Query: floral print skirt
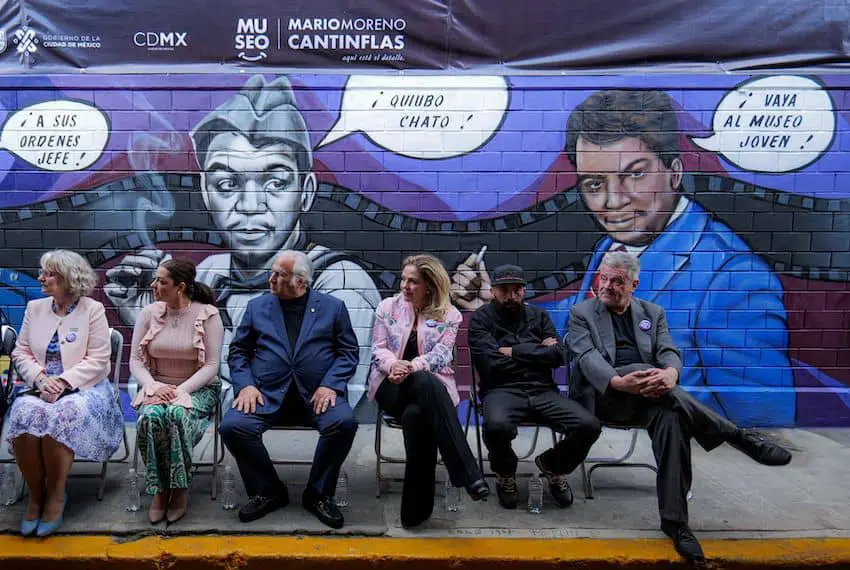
167 434
88 422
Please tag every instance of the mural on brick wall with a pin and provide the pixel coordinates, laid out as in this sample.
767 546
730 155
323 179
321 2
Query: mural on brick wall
731 190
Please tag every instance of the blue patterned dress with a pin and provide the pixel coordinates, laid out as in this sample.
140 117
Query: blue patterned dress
88 422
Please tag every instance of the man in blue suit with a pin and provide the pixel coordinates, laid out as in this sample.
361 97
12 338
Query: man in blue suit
723 303
290 361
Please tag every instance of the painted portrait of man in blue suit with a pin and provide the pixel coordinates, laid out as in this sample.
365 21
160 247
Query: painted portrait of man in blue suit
723 303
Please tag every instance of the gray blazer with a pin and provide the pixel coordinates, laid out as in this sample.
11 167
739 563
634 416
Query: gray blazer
592 347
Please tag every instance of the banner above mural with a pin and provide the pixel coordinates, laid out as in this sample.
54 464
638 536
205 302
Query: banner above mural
52 36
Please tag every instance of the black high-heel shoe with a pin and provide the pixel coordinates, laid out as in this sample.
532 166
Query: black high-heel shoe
478 490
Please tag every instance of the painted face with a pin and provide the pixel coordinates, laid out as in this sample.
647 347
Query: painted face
282 281
508 297
255 195
628 188
413 287
164 288
52 282
616 288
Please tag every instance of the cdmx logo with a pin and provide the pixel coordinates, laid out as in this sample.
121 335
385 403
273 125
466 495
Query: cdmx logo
26 41
160 41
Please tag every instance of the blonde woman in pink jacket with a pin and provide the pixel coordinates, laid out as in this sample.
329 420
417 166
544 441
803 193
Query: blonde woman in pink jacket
63 355
412 379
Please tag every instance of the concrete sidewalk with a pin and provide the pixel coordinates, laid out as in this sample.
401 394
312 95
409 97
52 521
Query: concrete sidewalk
744 513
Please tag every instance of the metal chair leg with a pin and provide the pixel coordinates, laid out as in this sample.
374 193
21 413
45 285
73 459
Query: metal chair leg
478 439
378 478
620 461
216 458
102 486
136 454
585 479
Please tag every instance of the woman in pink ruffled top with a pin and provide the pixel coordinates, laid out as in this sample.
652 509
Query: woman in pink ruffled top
175 360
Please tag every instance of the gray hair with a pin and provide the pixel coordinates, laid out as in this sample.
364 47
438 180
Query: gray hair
79 277
623 260
301 265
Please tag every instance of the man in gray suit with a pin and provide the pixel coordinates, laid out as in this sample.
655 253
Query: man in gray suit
626 368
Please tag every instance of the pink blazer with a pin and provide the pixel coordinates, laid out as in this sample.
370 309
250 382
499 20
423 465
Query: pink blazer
83 342
436 339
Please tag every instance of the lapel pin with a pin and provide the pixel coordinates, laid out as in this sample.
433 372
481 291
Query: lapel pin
71 337
312 309
644 325
431 323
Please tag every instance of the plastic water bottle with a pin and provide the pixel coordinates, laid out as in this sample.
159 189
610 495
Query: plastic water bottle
535 495
9 485
133 495
343 495
228 489
452 496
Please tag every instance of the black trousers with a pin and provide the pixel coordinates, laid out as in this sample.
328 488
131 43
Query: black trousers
671 422
429 419
505 408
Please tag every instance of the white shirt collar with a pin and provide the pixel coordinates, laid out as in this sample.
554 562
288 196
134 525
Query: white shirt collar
639 249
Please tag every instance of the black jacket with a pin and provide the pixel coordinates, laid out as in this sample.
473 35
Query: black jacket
530 365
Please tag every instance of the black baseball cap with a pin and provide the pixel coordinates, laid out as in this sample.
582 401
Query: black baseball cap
508 275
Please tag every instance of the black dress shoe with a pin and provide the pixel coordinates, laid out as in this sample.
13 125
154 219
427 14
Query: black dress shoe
260 505
684 541
478 490
559 487
323 508
760 449
506 490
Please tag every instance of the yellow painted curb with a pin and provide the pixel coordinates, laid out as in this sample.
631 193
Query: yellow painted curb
256 552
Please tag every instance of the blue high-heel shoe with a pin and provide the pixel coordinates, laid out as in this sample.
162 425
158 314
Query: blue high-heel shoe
28 528
46 528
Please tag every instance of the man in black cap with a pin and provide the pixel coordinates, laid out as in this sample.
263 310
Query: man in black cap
515 348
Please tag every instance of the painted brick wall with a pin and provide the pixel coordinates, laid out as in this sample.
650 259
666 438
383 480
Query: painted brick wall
734 190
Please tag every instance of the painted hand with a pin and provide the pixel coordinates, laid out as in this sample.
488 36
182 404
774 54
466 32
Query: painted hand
471 284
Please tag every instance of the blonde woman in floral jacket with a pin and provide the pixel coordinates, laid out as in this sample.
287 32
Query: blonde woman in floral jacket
412 379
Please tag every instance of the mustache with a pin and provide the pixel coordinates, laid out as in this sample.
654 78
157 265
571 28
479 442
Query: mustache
510 305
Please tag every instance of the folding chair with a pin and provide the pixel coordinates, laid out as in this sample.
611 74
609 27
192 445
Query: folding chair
383 418
217 453
292 428
117 347
622 460
8 338
476 408
391 422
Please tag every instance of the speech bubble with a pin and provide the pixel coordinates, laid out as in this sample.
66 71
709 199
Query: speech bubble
61 136
426 117
774 124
